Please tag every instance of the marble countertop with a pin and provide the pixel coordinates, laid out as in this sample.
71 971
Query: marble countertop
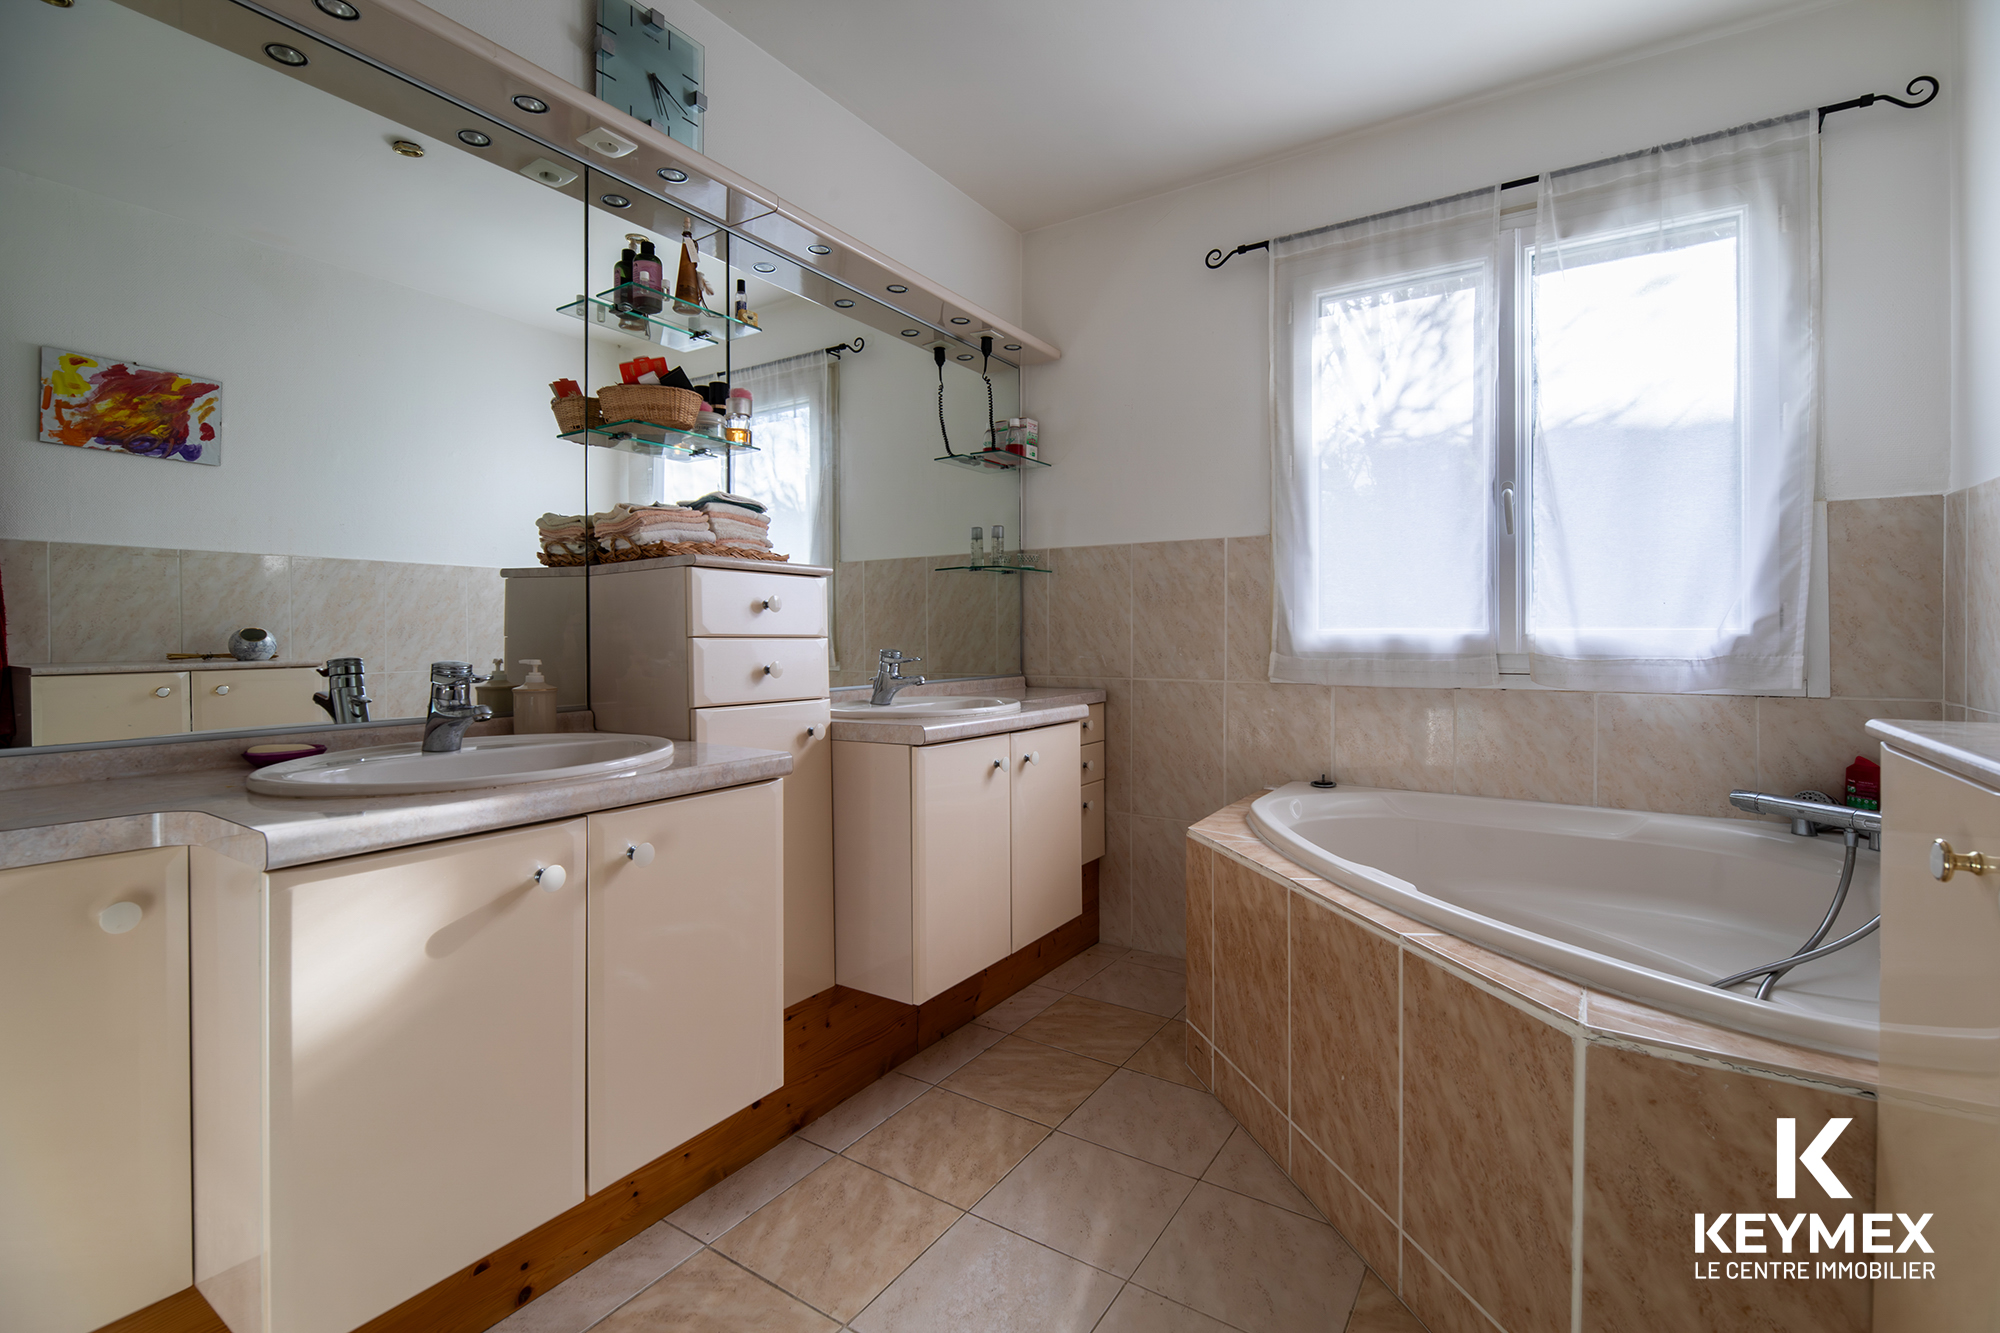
213 807
1040 707
1969 749
129 668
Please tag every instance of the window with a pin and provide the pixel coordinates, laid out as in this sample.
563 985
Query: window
1570 439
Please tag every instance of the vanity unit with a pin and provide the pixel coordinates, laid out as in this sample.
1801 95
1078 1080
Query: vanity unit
77 702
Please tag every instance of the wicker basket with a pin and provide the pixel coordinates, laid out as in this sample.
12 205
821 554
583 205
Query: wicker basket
619 549
661 404
576 413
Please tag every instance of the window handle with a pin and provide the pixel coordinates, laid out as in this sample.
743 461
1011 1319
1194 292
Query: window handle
1507 507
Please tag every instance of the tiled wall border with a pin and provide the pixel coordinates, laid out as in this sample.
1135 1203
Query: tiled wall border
960 622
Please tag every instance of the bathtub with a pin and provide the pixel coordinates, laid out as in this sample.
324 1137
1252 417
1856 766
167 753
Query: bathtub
1643 905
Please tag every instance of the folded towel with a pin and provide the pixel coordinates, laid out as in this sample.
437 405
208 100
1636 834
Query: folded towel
562 522
725 498
731 523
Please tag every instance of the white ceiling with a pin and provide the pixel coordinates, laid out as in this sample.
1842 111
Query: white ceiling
1091 103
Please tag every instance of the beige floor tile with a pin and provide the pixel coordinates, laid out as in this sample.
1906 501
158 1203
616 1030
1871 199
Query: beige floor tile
953 1053
1030 1079
1163 1123
1091 1203
1107 1032
1249 1264
982 1279
1018 1008
864 1110
1165 1056
1244 1167
725 1204
949 1146
708 1294
1138 987
839 1236
1140 1311
1376 1310
575 1305
1164 962
1079 969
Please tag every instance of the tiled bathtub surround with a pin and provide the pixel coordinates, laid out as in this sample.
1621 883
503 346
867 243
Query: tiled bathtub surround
1507 1149
69 602
962 623
1177 635
1972 603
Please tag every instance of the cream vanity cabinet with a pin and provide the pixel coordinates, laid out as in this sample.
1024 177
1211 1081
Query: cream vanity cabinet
69 707
1091 771
949 857
95 1177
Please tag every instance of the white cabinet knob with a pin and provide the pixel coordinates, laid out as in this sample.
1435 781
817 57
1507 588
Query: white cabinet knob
1034 757
773 604
999 763
1086 805
774 669
1087 763
811 732
551 878
222 689
163 692
639 853
119 918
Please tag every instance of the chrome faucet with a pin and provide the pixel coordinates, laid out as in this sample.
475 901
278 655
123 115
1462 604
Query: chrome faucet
889 676
346 698
1812 811
452 709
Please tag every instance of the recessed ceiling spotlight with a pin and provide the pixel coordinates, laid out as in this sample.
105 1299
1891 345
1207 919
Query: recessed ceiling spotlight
898 288
763 267
844 304
820 249
965 356
910 333
338 9
474 139
1013 347
616 200
534 106
674 174
407 148
960 319
285 55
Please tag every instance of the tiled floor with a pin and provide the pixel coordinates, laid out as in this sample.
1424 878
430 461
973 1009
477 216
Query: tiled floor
1054 1166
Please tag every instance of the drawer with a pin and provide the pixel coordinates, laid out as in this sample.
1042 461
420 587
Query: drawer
1093 726
740 602
755 671
1093 763
1093 821
280 697
70 710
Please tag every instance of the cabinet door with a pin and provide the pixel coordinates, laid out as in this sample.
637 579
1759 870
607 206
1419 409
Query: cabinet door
278 697
96 1185
799 729
686 970
961 903
1093 822
426 1065
72 710
1047 828
741 601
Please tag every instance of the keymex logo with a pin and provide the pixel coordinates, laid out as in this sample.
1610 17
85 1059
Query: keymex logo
1810 1233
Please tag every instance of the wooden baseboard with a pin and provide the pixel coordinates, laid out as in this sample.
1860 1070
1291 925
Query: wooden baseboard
836 1043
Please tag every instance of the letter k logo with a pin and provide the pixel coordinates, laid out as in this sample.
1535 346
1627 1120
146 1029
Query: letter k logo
1790 1159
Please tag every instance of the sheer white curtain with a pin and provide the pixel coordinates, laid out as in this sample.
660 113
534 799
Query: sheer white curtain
1674 349
792 426
1384 369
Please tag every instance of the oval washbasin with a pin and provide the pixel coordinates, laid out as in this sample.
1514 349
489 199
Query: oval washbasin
484 761
928 708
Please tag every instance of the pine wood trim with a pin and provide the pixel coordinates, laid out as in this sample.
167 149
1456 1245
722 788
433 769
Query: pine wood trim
185 1311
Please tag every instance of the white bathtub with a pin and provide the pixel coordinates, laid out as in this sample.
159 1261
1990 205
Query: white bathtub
1646 906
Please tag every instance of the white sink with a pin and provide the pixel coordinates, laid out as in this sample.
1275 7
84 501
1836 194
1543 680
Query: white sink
929 708
483 761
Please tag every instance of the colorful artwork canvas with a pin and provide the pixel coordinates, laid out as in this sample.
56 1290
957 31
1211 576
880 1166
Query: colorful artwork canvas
98 402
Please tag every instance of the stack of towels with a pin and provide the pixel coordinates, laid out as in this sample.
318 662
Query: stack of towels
644 525
563 534
737 519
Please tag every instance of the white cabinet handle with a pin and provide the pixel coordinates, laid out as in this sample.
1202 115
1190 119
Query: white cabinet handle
1087 763
999 763
639 853
1946 862
222 689
773 604
774 669
1086 805
811 732
1034 757
551 878
163 692
119 918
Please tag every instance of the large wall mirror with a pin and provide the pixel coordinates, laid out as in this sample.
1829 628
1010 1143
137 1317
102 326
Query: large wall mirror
384 287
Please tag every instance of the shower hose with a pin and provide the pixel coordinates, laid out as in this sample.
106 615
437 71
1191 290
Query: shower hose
1812 948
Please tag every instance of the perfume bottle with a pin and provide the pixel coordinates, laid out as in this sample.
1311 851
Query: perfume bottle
736 429
688 282
647 296
621 278
999 546
978 546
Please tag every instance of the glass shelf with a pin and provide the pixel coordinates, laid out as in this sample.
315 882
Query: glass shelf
648 438
994 569
680 331
992 460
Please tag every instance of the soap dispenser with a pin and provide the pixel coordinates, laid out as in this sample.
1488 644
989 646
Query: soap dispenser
498 692
534 702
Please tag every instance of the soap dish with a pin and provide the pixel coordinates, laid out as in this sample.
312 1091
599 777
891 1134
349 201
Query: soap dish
260 755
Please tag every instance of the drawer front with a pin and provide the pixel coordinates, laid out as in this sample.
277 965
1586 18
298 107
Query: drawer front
755 671
70 710
740 602
1093 726
1093 821
1093 763
280 697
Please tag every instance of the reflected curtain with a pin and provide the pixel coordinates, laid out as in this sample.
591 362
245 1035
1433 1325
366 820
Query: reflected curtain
793 428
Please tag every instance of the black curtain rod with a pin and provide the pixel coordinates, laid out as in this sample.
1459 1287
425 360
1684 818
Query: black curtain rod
1217 258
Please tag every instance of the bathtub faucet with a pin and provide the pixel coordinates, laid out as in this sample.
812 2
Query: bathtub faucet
1811 811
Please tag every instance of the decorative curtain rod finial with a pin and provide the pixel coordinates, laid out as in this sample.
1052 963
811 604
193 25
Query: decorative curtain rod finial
1870 99
1216 259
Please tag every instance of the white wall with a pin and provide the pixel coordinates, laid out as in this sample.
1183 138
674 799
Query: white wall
1976 441
1155 418
770 124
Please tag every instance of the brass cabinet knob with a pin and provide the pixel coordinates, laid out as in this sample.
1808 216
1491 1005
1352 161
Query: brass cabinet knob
165 691
222 689
1945 862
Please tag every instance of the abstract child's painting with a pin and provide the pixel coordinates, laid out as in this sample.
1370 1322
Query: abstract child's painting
95 402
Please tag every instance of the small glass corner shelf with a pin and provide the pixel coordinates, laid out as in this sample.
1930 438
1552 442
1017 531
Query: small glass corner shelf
645 437
992 460
993 569
678 330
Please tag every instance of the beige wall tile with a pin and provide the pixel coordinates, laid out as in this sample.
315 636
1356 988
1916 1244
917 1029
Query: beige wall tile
1177 610
223 591
1007 621
1432 1298
1275 734
1201 1058
1885 572
1486 1147
849 595
1344 1044
486 620
1982 596
1177 750
898 614
1200 930
339 609
398 694
1114 881
1249 642
1159 886
1675 753
24 583
1954 597
1090 611
1665 1140
423 615
1035 599
961 626
1354 1215
1250 976
1808 743
1525 745
113 603
1254 1111
1394 737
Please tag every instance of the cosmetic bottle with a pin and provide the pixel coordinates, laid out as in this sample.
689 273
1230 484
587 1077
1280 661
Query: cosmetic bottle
687 280
621 278
736 430
744 314
498 692
978 546
999 556
534 702
647 293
